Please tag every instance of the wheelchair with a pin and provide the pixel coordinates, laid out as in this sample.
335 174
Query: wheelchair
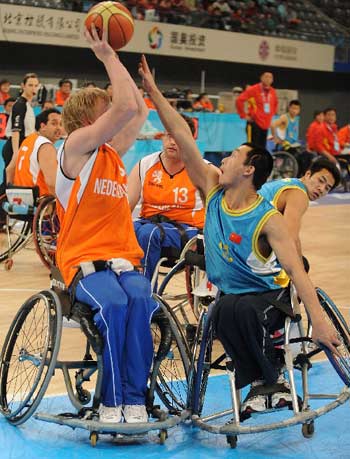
29 359
298 349
285 165
25 217
185 268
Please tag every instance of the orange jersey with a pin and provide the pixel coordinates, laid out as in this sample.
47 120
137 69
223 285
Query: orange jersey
94 213
344 136
28 172
173 196
61 97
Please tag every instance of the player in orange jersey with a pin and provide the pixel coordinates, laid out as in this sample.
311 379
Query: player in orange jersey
171 207
97 250
36 163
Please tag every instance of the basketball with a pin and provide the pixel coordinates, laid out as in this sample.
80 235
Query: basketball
116 18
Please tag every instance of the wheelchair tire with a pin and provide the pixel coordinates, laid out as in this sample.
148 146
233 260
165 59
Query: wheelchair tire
284 165
201 364
28 357
45 230
341 364
14 232
171 378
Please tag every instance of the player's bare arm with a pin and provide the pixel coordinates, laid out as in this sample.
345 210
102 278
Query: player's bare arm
134 186
47 155
202 175
283 245
81 143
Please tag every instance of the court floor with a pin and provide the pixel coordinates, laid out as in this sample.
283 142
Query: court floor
325 240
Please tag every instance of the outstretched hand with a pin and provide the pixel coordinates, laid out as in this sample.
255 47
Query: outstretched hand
100 47
148 82
325 333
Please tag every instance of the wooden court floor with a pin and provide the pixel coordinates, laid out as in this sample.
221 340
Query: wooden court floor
326 244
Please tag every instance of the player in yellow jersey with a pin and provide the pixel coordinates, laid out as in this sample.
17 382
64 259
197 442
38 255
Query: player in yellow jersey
171 207
97 250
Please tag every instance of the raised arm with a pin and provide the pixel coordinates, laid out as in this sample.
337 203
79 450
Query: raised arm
80 143
281 123
201 174
124 139
284 248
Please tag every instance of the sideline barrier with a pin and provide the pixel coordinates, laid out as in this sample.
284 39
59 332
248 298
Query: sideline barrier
217 132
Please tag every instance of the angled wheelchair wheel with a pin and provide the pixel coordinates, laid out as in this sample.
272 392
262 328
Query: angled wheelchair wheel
201 364
29 356
171 359
284 165
45 230
15 231
340 363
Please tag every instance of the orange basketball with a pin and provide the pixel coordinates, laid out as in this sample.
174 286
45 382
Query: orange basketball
115 18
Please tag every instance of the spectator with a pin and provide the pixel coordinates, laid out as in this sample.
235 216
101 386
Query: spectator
20 124
203 103
344 137
64 91
312 130
89 84
262 106
4 90
47 105
326 138
186 102
4 116
147 100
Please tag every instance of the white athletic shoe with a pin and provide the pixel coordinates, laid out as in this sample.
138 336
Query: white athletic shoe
256 403
135 413
281 399
110 413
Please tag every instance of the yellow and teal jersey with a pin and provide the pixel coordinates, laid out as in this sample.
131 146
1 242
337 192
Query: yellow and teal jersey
271 191
233 260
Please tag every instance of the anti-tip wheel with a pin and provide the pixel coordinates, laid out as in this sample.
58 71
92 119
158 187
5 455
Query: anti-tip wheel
93 438
232 440
308 429
163 435
8 264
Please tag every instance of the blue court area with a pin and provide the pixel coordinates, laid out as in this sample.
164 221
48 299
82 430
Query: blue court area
36 439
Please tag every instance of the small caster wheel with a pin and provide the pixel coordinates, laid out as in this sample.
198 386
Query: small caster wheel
308 429
163 435
93 438
83 396
8 264
232 440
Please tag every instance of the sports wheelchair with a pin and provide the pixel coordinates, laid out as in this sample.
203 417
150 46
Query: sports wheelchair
285 165
185 268
25 216
29 359
298 349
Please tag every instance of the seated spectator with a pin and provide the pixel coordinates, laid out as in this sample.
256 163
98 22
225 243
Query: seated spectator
47 105
4 90
4 116
203 103
89 84
36 162
171 208
312 130
344 137
64 91
147 100
223 6
185 102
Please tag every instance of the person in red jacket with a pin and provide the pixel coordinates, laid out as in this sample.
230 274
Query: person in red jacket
326 141
262 106
344 137
311 133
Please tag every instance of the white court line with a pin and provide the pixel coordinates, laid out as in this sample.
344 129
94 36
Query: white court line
19 289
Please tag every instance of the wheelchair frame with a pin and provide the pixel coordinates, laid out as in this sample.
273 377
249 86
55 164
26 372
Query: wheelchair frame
40 364
285 165
30 225
302 413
